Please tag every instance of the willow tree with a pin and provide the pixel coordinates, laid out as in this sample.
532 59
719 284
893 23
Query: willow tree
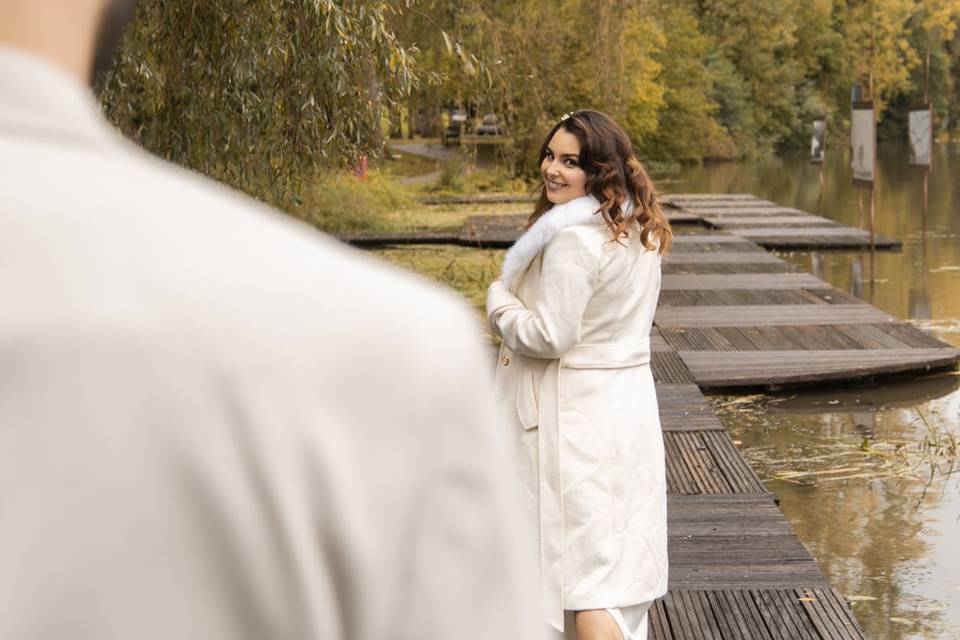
260 95
879 53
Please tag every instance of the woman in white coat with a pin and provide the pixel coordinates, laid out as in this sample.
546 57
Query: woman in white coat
574 305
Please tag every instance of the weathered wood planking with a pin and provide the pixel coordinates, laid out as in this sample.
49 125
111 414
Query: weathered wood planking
683 408
770 315
777 220
736 566
758 211
800 338
697 297
701 197
753 614
713 238
673 268
708 246
706 462
834 231
675 216
667 367
743 281
807 243
715 257
779 369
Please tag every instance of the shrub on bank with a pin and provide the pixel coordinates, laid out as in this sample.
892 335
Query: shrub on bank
340 203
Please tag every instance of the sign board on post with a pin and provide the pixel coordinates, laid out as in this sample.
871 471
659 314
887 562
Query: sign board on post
818 143
864 141
921 136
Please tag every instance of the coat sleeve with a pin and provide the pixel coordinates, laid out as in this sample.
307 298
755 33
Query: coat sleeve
570 268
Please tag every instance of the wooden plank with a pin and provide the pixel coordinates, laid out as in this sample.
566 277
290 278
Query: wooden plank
807 243
712 238
782 338
719 247
798 232
659 625
757 576
759 209
688 257
709 196
790 613
727 221
777 369
736 297
769 315
829 615
682 217
739 475
693 269
667 366
683 408
707 462
746 281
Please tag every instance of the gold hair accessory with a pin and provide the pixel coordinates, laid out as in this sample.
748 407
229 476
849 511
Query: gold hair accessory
566 115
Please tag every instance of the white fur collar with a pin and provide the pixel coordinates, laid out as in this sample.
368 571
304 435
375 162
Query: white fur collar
582 210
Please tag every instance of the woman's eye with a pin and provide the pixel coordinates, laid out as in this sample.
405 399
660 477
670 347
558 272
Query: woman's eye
571 163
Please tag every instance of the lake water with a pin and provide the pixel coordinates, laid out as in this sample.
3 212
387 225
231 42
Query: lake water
868 476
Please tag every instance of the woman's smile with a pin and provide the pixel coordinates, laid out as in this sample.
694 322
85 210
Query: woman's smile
562 174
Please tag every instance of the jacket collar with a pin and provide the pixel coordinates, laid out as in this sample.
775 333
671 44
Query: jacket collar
38 99
582 210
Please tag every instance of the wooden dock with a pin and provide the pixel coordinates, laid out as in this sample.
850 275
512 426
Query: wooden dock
732 315
740 317
768 224
737 570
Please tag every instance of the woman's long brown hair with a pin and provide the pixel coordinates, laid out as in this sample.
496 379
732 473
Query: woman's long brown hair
614 177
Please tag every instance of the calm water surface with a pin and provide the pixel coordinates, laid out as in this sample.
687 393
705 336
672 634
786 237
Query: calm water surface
866 476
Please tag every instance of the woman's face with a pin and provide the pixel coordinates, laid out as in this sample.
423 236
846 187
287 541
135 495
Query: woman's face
562 174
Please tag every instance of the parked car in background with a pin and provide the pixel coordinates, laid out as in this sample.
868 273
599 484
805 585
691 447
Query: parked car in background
490 126
456 127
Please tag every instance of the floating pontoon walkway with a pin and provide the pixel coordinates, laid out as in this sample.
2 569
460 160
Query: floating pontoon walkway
737 570
732 315
739 317
767 223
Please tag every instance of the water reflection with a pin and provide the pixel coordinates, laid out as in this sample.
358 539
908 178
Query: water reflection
856 486
885 534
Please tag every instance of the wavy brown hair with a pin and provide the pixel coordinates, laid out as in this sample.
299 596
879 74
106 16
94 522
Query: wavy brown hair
614 177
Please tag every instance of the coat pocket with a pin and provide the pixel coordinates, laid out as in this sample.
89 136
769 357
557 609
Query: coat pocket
528 402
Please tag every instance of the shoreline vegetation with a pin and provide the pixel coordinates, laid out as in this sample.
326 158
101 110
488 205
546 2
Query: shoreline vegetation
296 90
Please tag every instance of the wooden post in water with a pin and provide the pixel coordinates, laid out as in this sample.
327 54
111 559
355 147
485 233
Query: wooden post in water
926 168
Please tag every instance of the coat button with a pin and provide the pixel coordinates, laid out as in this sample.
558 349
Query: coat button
506 360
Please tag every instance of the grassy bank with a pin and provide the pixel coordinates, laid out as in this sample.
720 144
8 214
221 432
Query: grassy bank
466 270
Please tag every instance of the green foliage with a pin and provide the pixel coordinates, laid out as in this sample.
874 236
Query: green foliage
467 271
341 203
693 79
261 95
267 96
451 174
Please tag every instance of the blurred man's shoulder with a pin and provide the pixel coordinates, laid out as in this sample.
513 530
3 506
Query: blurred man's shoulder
211 253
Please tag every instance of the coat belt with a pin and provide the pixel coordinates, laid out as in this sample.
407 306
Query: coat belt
582 356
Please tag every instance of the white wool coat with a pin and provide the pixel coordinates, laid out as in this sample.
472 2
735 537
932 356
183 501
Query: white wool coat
575 309
217 423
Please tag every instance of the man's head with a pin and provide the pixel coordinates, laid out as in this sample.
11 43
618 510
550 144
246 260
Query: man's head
80 36
113 19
